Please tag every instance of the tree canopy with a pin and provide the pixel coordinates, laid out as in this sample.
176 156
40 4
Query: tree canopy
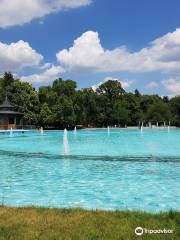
63 105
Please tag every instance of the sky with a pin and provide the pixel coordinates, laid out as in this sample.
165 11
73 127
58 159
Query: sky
92 41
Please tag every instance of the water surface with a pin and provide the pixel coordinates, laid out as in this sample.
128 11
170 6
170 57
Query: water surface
123 169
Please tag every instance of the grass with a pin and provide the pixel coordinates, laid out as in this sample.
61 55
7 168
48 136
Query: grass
78 224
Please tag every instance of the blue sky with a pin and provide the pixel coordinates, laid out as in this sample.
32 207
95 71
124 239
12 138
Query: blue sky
114 41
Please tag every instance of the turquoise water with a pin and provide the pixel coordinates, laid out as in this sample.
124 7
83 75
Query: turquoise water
123 169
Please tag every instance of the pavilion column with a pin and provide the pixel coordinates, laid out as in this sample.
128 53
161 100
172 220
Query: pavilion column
15 121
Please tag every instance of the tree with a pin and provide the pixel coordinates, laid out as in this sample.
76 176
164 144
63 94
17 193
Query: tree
66 88
45 116
158 112
121 114
89 98
112 89
24 97
174 104
137 93
132 104
61 105
63 113
147 100
166 99
7 80
5 83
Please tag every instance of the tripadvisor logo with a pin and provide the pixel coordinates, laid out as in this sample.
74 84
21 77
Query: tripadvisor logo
140 231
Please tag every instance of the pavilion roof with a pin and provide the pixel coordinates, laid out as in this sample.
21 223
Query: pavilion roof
7 108
6 104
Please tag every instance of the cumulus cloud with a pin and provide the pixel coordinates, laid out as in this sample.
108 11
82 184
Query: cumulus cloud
87 54
124 83
16 56
18 12
172 85
45 66
152 84
48 75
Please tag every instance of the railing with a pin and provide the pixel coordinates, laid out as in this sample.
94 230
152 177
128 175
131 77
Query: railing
17 127
29 127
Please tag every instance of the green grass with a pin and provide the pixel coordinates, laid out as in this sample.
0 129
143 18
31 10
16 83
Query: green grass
77 224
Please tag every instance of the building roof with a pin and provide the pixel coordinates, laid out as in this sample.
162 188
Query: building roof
6 104
7 108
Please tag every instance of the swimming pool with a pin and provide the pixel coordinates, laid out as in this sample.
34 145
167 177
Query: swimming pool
119 169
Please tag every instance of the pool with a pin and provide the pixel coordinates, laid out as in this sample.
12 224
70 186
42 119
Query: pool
120 169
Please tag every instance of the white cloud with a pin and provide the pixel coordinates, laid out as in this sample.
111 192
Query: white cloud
152 85
18 12
124 83
16 56
172 85
48 75
87 54
45 66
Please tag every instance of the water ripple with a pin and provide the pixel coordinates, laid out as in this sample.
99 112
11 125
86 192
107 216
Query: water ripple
91 157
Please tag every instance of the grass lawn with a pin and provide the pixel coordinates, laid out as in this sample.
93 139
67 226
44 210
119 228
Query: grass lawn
77 224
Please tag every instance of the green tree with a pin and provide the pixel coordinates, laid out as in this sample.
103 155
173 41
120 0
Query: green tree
62 105
121 114
112 89
174 104
67 88
158 112
63 113
45 116
5 83
24 97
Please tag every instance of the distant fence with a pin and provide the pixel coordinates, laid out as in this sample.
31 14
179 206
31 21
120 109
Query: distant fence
19 127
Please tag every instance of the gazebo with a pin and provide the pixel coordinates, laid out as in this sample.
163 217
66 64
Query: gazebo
9 118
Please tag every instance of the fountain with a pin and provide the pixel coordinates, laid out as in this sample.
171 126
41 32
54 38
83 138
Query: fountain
142 125
157 124
41 130
11 132
108 128
75 130
65 142
169 126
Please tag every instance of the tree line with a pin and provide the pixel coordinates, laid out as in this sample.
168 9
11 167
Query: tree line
63 105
